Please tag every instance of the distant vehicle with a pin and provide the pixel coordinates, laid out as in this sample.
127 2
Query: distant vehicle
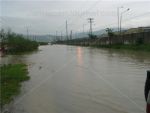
148 103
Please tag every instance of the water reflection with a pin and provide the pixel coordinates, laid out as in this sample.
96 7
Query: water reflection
12 59
76 89
133 57
80 56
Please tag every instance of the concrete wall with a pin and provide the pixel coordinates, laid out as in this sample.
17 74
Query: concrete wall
126 39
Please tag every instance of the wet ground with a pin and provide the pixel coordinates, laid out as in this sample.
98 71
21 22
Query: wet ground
71 79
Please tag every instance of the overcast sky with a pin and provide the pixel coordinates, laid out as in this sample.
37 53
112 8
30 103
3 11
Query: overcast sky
49 16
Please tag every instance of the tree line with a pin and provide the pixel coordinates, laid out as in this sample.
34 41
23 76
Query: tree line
11 42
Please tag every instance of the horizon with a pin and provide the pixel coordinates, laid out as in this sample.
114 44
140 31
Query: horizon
114 30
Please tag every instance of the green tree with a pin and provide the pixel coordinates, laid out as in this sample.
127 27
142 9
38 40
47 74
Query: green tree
91 36
110 34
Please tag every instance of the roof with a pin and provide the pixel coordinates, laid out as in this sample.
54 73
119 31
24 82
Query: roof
137 30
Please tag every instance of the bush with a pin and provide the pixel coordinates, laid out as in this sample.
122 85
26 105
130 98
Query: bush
17 43
140 41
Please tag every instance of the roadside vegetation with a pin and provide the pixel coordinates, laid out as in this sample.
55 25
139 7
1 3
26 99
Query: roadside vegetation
142 47
112 41
13 43
11 77
138 46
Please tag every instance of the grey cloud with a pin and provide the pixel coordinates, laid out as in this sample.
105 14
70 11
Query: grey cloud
47 16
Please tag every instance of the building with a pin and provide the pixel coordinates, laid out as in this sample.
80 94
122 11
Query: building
137 30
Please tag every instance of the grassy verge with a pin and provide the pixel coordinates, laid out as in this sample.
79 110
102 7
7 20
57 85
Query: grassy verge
143 47
11 77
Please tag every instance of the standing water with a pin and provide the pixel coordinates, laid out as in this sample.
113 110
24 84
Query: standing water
66 79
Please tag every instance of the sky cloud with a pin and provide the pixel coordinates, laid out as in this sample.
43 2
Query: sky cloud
47 16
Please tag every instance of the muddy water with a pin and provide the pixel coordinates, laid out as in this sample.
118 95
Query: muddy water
67 79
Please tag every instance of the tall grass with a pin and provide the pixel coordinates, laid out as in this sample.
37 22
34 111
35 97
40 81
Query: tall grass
11 77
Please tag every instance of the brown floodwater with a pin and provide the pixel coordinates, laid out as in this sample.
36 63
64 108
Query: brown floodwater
71 79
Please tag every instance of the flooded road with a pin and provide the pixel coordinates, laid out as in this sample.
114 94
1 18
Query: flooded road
67 79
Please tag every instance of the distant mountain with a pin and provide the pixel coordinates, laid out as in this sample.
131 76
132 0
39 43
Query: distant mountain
98 33
85 34
41 38
49 38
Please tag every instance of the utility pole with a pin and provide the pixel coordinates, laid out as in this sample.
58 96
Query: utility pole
61 36
66 29
71 35
90 21
118 15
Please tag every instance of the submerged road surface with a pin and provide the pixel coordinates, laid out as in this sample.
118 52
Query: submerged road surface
66 79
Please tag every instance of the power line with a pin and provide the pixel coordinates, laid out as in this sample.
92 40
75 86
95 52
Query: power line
92 6
61 35
137 16
80 16
128 19
71 35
